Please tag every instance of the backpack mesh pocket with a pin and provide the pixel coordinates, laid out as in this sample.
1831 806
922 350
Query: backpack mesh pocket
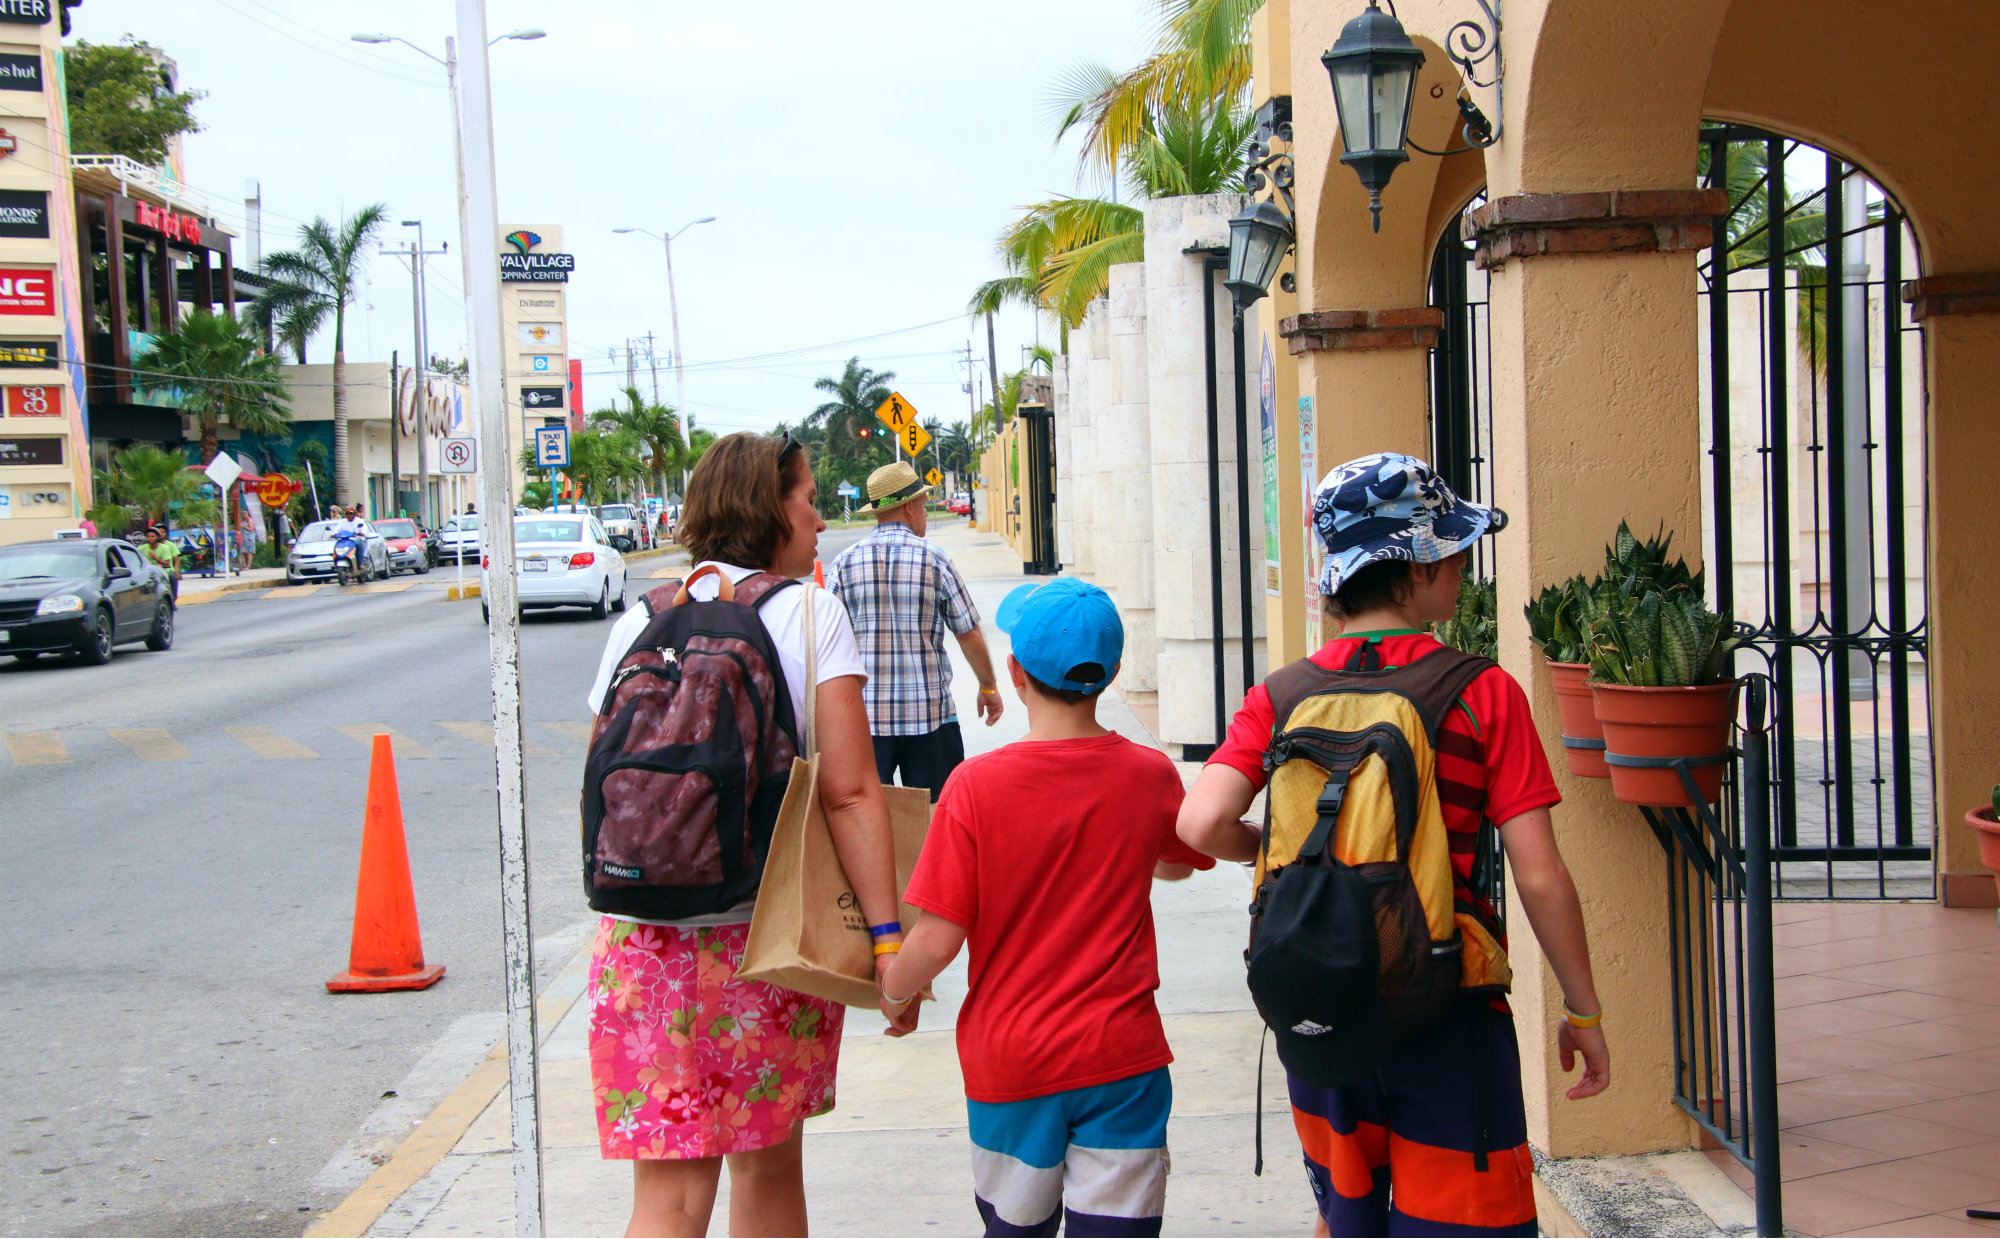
1418 977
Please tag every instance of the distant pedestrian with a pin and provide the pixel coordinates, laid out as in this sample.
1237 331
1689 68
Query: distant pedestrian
690 1064
88 526
472 509
1042 854
163 551
904 595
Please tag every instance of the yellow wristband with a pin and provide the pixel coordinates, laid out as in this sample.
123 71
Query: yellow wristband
887 948
1582 1021
989 692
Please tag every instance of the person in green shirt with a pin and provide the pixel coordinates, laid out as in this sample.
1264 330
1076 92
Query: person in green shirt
161 550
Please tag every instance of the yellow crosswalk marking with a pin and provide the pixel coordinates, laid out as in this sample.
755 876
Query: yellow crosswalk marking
666 574
576 731
151 743
265 744
400 743
385 587
195 600
481 734
293 591
36 748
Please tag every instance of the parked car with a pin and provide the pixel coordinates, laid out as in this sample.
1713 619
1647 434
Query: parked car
459 539
563 560
959 504
625 525
410 546
312 554
81 596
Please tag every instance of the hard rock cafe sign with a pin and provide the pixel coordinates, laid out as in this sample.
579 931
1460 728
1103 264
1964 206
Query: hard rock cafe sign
169 222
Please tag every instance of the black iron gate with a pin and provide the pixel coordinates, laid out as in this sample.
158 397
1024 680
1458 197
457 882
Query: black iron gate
1815 496
1462 379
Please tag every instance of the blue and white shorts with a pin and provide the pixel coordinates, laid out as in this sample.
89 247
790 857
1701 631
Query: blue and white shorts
1095 1158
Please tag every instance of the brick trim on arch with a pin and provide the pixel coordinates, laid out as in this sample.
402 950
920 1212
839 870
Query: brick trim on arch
1619 221
1357 330
1938 295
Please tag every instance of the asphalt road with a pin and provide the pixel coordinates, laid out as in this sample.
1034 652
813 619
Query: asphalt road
182 832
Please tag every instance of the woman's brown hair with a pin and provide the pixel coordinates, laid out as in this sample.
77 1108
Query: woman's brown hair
735 510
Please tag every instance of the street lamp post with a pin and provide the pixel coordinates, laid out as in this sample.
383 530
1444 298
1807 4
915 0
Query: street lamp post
674 314
420 317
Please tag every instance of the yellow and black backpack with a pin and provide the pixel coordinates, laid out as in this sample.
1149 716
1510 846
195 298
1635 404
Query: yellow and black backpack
1356 939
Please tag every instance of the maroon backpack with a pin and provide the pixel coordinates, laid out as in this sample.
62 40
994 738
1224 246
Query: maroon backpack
690 757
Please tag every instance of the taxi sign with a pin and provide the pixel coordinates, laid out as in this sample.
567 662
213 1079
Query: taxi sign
934 477
896 412
913 437
552 447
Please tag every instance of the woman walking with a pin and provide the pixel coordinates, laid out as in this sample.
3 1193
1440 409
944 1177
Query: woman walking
689 1065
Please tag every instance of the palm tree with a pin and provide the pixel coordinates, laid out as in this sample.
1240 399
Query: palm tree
954 447
217 368
601 462
154 482
315 280
857 393
657 426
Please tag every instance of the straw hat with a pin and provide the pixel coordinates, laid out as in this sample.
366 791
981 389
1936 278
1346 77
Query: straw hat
894 485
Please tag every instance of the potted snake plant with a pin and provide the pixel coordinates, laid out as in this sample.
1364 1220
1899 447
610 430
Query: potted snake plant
1660 684
1986 820
1556 621
1474 627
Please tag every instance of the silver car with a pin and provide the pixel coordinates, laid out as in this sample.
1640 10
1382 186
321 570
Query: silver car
625 525
312 554
459 539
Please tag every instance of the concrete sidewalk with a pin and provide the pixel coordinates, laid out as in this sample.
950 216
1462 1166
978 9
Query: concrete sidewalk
893 1158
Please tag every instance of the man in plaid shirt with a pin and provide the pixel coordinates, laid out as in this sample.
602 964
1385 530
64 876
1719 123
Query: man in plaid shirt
903 596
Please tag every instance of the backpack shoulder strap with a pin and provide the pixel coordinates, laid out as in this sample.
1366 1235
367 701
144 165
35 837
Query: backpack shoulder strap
755 589
1291 684
1437 680
659 600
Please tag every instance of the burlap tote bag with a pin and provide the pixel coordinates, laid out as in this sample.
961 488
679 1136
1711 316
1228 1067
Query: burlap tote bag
807 932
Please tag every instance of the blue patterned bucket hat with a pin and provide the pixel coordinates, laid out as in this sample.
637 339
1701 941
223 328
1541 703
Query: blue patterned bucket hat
1391 506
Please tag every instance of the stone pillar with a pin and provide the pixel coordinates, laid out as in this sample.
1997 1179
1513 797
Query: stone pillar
1367 373
1596 420
1125 440
1961 320
1084 402
1096 333
1177 407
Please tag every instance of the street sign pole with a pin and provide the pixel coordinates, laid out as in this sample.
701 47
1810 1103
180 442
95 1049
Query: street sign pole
479 215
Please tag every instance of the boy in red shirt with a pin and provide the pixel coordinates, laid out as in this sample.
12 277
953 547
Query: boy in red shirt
1041 855
1435 1140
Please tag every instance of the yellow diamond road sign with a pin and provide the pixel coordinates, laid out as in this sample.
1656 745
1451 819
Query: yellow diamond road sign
914 438
896 413
934 477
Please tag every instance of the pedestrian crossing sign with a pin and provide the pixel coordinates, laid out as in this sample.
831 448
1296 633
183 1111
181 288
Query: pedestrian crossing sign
934 477
896 413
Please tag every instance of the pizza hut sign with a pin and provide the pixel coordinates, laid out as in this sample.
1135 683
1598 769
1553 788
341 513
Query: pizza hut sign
24 290
168 222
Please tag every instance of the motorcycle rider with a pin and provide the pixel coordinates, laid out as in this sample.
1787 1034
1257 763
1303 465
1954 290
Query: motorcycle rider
350 541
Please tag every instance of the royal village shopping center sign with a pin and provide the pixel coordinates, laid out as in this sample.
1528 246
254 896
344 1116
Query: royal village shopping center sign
523 263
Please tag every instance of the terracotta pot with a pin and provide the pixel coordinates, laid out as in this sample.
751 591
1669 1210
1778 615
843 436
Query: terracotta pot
1981 820
1582 737
1665 722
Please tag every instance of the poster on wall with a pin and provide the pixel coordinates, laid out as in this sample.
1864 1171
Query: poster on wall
27 290
32 402
1314 551
1267 414
31 451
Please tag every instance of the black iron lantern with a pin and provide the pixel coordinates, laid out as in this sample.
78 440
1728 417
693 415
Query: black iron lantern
1374 67
1258 239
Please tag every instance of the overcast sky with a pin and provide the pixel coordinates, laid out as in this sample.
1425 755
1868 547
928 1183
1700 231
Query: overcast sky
860 159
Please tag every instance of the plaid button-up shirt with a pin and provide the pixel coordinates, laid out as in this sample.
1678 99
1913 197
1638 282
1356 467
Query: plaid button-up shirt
903 595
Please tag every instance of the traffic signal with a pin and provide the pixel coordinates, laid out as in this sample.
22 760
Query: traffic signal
864 432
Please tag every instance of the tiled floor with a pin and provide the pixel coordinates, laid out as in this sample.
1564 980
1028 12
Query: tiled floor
1888 1069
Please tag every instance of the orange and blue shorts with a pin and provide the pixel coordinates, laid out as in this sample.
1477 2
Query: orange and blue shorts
1397 1154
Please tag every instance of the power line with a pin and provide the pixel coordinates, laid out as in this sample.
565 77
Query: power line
435 80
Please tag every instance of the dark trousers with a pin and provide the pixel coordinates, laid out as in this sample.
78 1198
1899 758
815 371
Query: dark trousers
926 761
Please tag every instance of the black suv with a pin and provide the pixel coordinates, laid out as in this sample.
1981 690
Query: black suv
81 596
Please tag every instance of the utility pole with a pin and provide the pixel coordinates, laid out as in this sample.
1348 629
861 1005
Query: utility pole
419 319
395 433
654 361
631 362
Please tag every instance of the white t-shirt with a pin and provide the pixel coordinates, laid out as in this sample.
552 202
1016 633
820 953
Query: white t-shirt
838 656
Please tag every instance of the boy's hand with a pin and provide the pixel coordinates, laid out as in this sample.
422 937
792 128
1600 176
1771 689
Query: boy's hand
903 1019
1590 1043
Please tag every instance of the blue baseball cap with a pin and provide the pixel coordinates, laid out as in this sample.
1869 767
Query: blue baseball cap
1390 506
1062 625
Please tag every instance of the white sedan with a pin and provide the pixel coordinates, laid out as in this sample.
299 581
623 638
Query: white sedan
563 561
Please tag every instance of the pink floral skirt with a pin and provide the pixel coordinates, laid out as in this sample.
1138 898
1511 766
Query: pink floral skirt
686 1061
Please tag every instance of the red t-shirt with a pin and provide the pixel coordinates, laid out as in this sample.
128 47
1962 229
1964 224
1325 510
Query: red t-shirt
1490 763
1044 851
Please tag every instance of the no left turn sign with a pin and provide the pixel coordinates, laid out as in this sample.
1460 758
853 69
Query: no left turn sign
460 455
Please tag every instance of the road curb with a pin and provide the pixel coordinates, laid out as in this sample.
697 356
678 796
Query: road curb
459 593
434 1138
229 587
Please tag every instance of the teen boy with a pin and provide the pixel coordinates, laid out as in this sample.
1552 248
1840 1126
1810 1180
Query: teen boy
1435 1142
1041 855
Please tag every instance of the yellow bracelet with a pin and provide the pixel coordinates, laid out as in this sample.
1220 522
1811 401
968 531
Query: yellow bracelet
1582 1021
989 692
887 948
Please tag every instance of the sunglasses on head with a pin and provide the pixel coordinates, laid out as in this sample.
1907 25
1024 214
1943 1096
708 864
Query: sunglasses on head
786 451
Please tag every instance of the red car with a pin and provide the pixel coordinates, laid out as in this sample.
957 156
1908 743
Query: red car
959 504
409 545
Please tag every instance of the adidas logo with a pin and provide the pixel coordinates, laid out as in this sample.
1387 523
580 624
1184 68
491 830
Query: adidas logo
1306 1028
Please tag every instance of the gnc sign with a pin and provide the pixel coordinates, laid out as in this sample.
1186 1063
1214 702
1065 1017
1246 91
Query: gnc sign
24 290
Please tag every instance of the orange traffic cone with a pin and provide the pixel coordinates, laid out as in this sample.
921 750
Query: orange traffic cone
387 952
819 574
